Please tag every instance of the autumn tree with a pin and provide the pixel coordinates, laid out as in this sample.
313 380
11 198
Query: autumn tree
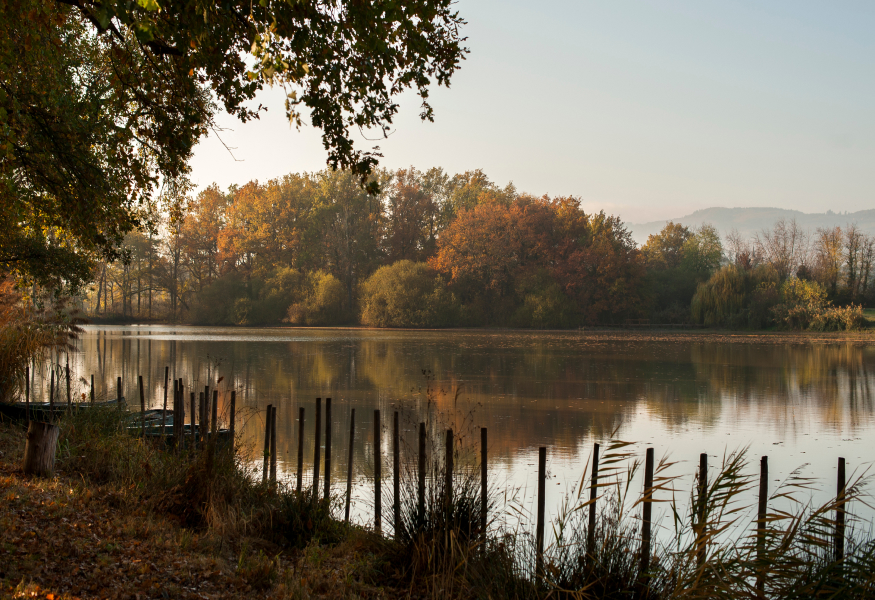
100 100
412 218
346 227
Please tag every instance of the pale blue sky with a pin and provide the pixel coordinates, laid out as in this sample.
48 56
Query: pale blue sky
646 109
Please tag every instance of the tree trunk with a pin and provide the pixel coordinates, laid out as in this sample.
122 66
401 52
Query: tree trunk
39 450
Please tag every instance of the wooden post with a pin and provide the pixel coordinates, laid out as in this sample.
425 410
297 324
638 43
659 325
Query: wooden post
761 524
233 419
422 466
118 392
378 464
702 508
327 493
181 416
396 474
840 513
300 448
39 449
484 488
69 393
268 417
542 504
201 418
214 421
273 445
191 406
142 408
448 482
349 465
317 449
52 397
27 393
92 388
647 511
176 422
593 494
164 411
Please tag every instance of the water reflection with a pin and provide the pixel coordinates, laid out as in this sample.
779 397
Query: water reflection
563 391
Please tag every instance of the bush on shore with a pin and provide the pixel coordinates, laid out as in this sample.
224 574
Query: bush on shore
407 294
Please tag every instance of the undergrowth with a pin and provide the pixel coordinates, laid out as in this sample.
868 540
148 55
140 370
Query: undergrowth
442 550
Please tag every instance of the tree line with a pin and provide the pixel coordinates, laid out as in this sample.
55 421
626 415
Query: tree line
431 249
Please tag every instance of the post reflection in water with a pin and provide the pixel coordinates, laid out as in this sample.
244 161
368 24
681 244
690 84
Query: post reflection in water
799 403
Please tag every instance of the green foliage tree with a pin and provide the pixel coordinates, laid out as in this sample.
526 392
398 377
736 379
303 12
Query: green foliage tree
323 302
407 294
99 99
678 259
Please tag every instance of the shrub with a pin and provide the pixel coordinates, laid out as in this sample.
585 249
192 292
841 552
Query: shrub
219 303
407 294
545 306
839 318
322 302
736 297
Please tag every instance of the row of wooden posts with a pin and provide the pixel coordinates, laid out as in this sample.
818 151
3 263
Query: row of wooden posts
269 470
208 418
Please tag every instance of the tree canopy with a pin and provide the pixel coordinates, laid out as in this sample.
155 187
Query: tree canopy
102 100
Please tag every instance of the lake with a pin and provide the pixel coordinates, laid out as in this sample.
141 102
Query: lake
799 400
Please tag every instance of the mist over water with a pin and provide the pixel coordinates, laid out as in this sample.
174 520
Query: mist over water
798 403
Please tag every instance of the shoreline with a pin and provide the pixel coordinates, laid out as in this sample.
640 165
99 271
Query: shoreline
601 333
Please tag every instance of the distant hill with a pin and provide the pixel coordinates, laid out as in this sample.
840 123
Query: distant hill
751 220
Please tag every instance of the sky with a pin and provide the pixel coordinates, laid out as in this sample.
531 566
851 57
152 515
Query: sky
649 110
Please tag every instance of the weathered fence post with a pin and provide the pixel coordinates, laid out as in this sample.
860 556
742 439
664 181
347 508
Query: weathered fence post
647 511
840 513
92 388
593 494
702 508
201 417
52 397
118 392
27 392
421 473
396 474
484 487
142 407
181 415
273 445
317 449
164 411
761 523
268 417
448 483
176 422
542 504
192 425
349 465
300 448
378 465
233 420
327 492
214 421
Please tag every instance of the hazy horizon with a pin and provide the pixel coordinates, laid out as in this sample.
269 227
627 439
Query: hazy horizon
646 111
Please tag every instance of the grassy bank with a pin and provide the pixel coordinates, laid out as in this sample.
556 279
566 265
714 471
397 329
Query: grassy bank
124 518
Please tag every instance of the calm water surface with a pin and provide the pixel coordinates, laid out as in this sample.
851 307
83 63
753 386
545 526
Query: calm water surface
800 404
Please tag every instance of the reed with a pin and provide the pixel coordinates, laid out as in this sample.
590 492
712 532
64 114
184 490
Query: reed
29 334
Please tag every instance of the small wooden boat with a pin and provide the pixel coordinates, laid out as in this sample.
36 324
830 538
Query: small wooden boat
154 430
43 411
